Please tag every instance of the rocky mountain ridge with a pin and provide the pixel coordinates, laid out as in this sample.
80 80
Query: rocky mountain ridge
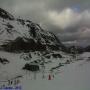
17 34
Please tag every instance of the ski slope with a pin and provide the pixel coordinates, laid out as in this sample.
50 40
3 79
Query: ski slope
75 76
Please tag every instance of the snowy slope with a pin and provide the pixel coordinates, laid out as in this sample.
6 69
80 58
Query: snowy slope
75 76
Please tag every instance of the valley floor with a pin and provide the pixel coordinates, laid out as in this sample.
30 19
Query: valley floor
73 76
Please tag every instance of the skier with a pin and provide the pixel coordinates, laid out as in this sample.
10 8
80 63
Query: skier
49 77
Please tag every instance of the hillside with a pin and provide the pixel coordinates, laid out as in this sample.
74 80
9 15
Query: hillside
17 34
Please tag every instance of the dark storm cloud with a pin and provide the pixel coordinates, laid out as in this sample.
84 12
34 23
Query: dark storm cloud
65 18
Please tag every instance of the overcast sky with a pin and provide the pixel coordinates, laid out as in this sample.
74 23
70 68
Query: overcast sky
68 19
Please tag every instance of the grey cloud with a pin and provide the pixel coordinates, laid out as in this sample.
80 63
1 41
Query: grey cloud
37 11
60 4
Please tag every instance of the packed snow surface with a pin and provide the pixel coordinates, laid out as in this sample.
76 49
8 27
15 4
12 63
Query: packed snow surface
73 76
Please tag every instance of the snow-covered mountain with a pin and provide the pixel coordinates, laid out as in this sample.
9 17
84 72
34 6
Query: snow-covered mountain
18 34
39 58
33 44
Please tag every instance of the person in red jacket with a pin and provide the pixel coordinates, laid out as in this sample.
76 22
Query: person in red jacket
49 77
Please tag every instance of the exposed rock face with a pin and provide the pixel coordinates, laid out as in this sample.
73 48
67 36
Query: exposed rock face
5 15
